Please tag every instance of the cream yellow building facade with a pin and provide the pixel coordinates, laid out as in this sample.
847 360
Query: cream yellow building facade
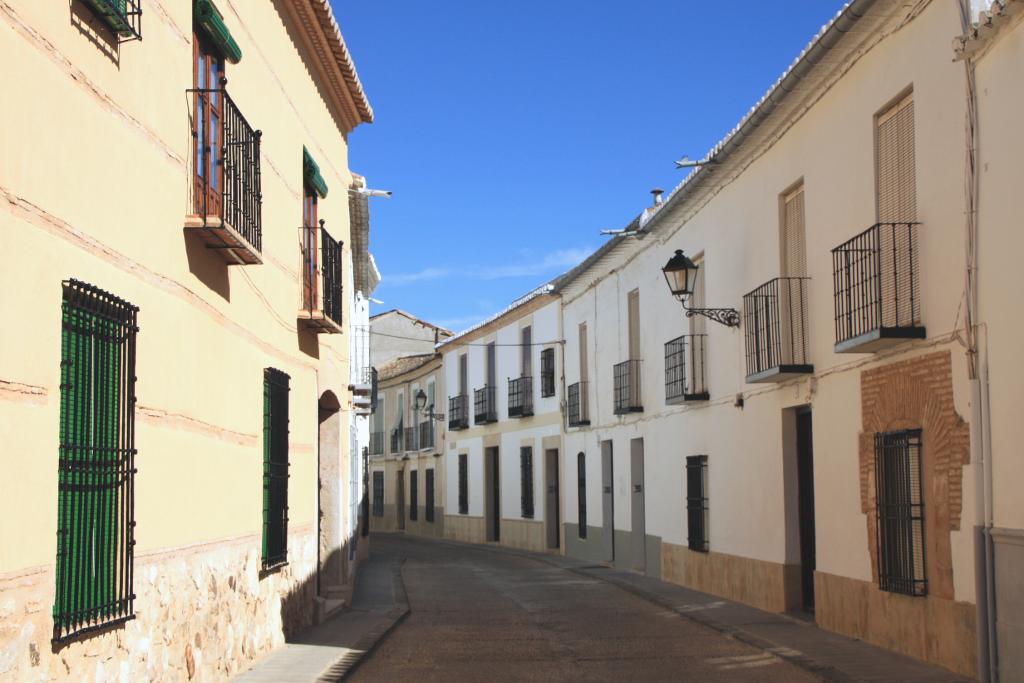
103 191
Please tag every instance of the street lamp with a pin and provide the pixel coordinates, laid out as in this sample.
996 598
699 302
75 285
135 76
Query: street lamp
421 403
681 276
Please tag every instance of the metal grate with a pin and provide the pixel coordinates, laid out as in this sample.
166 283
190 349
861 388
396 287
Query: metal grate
520 397
463 484
321 290
684 369
96 462
412 439
426 434
124 17
900 513
875 284
275 468
578 408
776 326
230 171
397 440
697 502
547 373
627 387
376 443
378 494
581 494
458 412
414 495
428 512
330 251
485 405
526 481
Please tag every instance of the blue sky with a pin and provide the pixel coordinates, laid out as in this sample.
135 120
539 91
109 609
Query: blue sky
511 134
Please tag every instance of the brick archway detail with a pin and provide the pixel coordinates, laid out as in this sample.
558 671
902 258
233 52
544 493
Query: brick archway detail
918 393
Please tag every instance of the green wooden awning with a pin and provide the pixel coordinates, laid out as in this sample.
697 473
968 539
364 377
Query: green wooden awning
311 174
209 19
115 13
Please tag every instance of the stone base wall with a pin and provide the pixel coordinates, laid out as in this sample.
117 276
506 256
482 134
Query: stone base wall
201 613
465 528
766 585
930 628
421 527
525 534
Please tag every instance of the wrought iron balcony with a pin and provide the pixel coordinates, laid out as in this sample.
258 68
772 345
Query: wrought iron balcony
685 378
776 330
520 397
412 439
227 194
485 405
397 440
124 17
458 412
628 394
426 434
376 443
877 294
578 406
321 302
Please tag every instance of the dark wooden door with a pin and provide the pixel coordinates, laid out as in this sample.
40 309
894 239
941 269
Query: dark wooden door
208 72
805 474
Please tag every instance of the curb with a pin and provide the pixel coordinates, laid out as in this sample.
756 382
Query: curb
343 667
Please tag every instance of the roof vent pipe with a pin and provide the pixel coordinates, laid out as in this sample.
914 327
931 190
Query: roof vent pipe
657 192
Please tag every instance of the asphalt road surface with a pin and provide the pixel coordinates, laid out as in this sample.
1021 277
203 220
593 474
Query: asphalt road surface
479 615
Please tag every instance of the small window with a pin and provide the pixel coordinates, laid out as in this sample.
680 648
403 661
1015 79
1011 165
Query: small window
414 497
96 463
900 512
581 493
463 484
275 468
547 373
208 74
428 513
310 259
526 481
697 502
378 494
526 352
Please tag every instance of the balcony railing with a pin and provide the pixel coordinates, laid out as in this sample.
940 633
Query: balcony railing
426 434
685 378
485 405
458 412
520 397
776 328
124 17
228 199
376 443
578 408
412 439
321 296
877 294
397 440
627 387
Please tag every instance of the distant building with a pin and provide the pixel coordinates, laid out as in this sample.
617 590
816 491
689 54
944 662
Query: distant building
396 334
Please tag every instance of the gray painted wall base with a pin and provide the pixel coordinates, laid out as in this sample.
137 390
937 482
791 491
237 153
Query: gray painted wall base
591 548
1008 547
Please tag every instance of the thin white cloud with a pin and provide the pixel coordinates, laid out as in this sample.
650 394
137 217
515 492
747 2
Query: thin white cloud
550 263
418 276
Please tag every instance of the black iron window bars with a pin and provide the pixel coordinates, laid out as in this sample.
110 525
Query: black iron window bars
776 330
377 443
322 260
485 405
458 412
520 397
875 285
697 502
426 434
96 463
627 387
227 158
526 482
577 407
414 495
412 439
124 17
428 512
378 494
275 468
463 484
684 369
547 373
900 513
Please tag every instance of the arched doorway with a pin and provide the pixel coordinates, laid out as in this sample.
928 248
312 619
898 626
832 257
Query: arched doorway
331 550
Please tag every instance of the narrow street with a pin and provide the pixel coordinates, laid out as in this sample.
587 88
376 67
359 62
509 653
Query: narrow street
482 615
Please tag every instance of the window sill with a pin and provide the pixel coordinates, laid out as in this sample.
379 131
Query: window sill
221 236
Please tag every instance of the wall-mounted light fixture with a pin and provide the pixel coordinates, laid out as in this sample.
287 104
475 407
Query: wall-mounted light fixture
421 403
681 276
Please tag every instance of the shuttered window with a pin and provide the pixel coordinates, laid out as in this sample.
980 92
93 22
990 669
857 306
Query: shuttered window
894 162
697 502
900 513
378 494
275 468
547 373
526 352
414 495
583 352
698 323
794 239
429 511
633 309
463 484
96 462
526 481
581 494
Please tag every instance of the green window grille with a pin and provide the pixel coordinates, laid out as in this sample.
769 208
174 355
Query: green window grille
526 481
124 17
96 462
275 468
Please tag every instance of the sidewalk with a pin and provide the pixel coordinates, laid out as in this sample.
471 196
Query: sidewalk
829 655
328 651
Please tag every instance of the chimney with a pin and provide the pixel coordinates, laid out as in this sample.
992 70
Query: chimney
657 195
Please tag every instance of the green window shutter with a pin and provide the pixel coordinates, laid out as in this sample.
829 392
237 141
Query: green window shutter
311 174
115 14
209 19
275 468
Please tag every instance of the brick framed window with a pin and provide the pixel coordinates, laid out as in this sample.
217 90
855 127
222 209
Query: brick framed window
414 495
526 481
697 502
581 494
96 462
463 484
378 494
275 468
900 513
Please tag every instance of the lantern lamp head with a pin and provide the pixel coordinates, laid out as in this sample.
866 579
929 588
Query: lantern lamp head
421 400
681 275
